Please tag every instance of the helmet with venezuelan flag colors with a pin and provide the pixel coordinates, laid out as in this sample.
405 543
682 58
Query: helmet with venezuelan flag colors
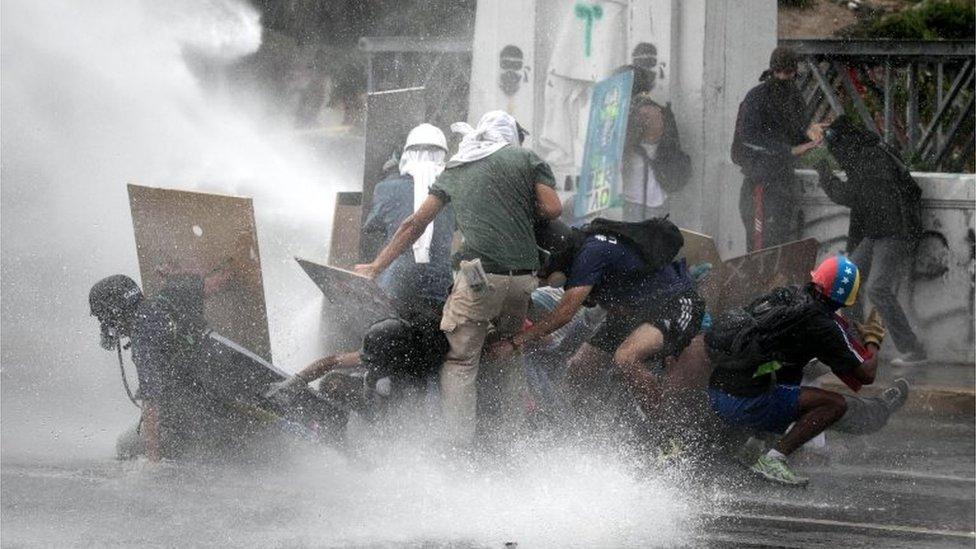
838 279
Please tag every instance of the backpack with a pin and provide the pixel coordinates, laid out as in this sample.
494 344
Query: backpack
745 337
657 240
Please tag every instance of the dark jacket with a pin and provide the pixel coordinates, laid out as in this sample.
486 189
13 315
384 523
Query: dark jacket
771 121
406 280
884 199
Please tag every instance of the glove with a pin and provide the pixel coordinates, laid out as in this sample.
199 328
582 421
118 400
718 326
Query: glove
873 330
283 392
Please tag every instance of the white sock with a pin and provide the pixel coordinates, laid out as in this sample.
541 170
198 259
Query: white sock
775 454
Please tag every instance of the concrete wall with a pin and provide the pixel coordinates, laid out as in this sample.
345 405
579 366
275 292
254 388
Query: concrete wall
938 293
720 49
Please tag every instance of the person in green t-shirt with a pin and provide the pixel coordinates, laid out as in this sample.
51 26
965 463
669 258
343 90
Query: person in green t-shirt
497 189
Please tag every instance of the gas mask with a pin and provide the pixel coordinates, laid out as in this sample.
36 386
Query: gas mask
111 333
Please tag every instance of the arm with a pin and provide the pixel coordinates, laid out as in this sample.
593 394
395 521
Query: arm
319 368
837 190
408 233
547 204
866 372
566 309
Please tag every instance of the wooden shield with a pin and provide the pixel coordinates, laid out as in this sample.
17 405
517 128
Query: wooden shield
744 278
349 293
213 236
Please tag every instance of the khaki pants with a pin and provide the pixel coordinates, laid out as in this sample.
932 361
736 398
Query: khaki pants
467 317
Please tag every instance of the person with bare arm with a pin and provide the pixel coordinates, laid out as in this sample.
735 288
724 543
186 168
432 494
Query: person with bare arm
497 189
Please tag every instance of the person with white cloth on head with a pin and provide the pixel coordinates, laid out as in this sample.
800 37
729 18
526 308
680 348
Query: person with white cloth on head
498 190
417 282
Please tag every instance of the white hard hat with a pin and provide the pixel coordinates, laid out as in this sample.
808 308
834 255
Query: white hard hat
426 134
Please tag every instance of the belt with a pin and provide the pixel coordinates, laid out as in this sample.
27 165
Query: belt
514 272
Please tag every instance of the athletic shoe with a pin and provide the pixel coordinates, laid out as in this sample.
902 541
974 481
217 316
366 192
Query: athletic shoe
914 358
896 395
776 470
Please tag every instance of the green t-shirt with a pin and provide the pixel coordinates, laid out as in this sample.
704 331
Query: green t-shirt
494 203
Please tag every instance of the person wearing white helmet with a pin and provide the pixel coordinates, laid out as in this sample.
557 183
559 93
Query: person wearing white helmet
417 282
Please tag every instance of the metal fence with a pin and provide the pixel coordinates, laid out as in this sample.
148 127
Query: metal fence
917 95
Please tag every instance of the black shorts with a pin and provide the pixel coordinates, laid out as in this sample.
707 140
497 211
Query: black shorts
678 317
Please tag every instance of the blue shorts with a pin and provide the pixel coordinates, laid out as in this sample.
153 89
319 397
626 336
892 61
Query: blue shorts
771 411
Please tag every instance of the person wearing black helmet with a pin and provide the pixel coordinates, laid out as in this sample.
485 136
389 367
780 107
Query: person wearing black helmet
395 355
653 310
885 226
771 131
165 333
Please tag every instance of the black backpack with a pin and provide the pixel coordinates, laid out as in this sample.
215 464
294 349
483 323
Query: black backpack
745 337
657 240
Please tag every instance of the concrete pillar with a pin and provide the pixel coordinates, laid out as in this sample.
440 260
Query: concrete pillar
720 48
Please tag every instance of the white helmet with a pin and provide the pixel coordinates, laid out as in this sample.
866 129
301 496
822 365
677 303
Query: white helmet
426 134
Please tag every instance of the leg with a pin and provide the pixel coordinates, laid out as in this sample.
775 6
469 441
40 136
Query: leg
892 258
629 358
818 410
459 394
868 415
747 213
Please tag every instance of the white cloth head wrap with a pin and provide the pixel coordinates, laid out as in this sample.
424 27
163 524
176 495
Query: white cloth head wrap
495 130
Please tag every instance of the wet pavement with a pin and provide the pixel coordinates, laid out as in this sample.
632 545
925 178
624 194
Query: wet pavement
911 485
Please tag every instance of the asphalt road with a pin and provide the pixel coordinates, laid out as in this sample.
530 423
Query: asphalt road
910 485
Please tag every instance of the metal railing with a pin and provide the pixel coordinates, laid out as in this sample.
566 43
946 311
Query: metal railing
917 95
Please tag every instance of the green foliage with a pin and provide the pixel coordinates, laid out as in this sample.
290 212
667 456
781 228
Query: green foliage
927 20
797 4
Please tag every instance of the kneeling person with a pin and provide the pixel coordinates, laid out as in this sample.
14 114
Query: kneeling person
759 352
653 310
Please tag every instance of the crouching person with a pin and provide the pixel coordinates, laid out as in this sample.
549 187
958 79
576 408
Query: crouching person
758 354
653 310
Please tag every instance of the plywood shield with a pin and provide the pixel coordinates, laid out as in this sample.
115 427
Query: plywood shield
744 278
348 292
213 236
390 115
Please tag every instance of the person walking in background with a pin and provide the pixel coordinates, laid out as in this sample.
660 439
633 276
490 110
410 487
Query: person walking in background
886 223
654 164
498 189
770 133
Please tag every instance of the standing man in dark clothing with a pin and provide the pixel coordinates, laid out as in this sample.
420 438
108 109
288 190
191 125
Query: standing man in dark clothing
759 352
886 222
418 282
497 189
770 133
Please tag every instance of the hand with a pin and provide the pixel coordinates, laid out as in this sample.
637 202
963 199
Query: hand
815 133
368 270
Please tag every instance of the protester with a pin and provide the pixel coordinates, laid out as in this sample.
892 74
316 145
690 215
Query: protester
759 352
886 222
417 282
180 416
770 133
396 357
653 310
497 189
654 164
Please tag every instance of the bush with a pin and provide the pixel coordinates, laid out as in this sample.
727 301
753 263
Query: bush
927 20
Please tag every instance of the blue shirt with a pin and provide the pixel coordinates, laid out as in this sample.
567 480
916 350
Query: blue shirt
619 276
406 280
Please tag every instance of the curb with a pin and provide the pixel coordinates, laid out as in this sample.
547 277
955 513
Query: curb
925 399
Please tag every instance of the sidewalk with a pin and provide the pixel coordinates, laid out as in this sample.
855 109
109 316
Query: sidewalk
937 388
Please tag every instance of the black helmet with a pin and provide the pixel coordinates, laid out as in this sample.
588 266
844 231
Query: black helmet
557 243
113 300
388 342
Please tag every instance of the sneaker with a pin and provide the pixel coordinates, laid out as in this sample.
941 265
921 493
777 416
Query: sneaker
777 470
896 395
914 358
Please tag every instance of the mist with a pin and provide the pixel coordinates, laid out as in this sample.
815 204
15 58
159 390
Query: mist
96 96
